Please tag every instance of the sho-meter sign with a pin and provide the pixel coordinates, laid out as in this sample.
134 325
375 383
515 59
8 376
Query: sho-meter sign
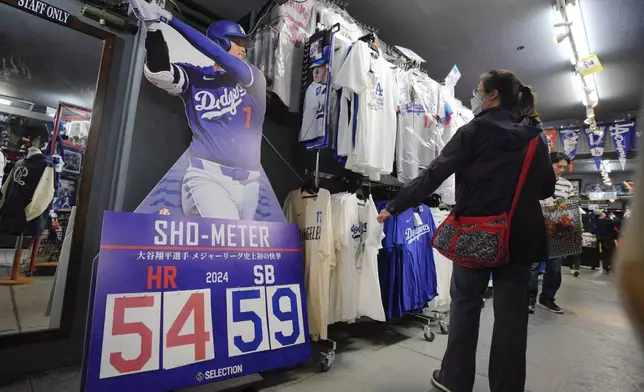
590 65
180 302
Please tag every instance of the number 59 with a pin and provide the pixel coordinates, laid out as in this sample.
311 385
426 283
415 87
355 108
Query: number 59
264 318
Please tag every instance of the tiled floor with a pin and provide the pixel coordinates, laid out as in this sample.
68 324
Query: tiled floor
22 308
589 348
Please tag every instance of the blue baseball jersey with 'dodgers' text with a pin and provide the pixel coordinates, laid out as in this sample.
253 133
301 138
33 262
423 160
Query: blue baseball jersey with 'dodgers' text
225 117
419 272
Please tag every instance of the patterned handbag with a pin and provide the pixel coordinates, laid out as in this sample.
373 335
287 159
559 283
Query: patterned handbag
481 242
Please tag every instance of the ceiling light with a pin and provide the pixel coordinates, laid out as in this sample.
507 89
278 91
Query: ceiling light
51 112
561 37
5 101
578 29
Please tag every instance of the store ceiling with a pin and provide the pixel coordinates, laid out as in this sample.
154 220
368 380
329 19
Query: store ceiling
45 63
232 10
479 35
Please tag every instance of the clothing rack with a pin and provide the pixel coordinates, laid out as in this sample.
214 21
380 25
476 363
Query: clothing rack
364 180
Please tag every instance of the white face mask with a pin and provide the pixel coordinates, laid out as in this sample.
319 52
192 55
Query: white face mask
477 104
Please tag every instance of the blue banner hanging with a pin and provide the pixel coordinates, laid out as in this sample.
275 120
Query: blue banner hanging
570 141
596 143
622 134
180 302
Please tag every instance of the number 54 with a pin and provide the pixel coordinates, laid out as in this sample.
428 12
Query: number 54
133 326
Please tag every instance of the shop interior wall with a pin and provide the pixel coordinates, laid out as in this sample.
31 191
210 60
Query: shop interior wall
18 361
617 177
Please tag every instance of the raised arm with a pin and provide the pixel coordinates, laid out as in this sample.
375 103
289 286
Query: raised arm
151 12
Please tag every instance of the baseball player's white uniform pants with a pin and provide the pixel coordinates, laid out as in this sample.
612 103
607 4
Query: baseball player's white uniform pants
211 190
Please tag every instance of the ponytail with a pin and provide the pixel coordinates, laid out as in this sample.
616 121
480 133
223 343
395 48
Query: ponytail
513 94
526 103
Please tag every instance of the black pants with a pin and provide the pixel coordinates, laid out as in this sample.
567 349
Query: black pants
507 369
608 248
575 262
551 280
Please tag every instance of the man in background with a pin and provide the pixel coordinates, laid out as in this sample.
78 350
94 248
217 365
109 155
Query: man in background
607 233
552 275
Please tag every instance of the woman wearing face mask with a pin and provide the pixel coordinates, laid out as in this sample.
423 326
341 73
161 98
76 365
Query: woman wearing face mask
487 155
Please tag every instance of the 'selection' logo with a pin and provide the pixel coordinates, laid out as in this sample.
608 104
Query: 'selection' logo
200 376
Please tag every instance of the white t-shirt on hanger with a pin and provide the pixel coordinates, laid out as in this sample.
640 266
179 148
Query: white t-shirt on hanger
350 236
371 77
369 292
444 268
360 236
299 13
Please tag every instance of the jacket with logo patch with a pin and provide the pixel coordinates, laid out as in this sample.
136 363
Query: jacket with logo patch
26 195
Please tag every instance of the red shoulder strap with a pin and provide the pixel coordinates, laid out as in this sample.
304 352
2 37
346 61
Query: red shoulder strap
532 147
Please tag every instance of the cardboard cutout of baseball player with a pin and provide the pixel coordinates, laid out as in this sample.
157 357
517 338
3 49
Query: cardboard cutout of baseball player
220 176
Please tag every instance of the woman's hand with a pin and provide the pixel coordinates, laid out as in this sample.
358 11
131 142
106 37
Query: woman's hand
383 216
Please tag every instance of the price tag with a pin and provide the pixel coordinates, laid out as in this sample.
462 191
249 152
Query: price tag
590 65
453 77
417 220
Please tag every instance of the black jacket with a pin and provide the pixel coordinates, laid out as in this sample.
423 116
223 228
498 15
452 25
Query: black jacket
26 196
607 229
487 154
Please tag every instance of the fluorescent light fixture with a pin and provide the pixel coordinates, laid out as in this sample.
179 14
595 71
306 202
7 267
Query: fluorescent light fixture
578 29
5 102
51 112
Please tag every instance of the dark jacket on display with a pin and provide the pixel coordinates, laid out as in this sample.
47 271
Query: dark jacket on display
26 195
487 155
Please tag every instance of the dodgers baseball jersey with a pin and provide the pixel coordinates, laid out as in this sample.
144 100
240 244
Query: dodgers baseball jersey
390 268
313 216
417 137
372 79
411 122
225 117
414 230
314 122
